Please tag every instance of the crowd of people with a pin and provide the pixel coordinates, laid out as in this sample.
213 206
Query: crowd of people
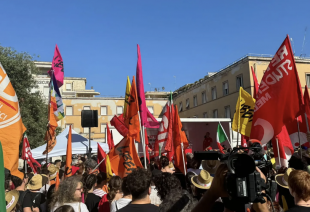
160 187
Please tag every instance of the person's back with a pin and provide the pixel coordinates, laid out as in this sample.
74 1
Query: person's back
125 200
139 184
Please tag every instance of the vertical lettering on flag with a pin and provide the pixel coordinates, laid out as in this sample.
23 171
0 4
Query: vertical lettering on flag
279 98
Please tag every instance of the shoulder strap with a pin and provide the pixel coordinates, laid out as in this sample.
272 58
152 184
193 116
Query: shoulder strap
116 206
21 198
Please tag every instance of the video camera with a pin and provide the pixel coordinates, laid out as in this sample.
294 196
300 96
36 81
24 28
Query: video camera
243 182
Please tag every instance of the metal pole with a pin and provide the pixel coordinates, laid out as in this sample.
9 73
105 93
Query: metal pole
144 150
183 157
299 139
307 124
89 144
99 164
237 138
278 153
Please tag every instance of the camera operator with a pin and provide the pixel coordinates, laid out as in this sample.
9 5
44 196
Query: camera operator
218 190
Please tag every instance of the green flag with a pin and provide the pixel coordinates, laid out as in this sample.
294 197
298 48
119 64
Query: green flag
221 137
2 176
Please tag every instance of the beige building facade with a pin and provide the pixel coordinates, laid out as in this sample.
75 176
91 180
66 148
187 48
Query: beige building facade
215 96
76 98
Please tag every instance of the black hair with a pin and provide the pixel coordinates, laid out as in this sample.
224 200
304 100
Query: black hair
199 192
195 163
166 184
296 163
142 161
139 182
49 195
189 184
89 182
57 161
61 173
16 181
125 189
101 177
164 161
65 208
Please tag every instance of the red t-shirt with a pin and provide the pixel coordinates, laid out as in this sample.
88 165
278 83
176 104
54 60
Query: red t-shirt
207 142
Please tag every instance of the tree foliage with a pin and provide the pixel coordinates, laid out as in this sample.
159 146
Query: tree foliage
20 67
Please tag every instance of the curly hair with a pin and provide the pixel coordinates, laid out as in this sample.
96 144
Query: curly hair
164 161
125 189
139 182
115 185
65 192
189 186
89 182
90 163
166 184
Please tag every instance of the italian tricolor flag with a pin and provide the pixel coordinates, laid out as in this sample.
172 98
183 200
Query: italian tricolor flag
220 137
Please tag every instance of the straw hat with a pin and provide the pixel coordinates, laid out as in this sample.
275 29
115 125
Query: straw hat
53 171
11 199
203 180
37 182
171 166
282 179
210 165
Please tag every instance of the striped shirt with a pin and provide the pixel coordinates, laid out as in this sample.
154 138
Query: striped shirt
99 192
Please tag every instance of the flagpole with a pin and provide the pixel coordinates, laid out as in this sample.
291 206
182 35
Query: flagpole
182 146
299 139
142 140
225 134
278 153
98 164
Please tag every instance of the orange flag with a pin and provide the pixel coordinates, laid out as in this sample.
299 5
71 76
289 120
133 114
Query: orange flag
11 126
179 137
124 157
57 181
68 170
132 116
50 135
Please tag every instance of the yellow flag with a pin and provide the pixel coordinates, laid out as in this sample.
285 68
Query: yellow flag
127 93
108 167
243 117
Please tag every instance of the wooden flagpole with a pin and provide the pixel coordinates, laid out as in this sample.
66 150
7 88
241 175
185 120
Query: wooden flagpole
299 139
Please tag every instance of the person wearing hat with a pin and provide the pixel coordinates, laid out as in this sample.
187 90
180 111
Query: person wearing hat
210 166
35 198
285 198
11 199
53 170
202 183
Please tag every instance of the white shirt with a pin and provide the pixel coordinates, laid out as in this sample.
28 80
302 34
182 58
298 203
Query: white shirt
42 190
155 200
197 171
118 204
77 206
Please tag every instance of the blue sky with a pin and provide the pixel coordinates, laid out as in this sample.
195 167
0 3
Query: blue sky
181 38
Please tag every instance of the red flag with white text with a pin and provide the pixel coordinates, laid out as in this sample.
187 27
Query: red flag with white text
27 155
279 98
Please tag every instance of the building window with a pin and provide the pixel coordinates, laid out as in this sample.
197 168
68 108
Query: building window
227 111
239 82
187 103
213 91
195 101
214 113
180 107
86 108
119 110
46 91
86 130
68 87
69 111
150 108
204 97
68 125
308 80
225 88
205 115
103 127
103 110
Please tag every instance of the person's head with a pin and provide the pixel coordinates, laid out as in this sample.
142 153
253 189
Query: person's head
194 163
81 169
296 163
139 183
37 182
298 182
167 184
57 163
90 182
53 170
65 208
101 179
90 164
11 199
164 161
17 182
115 188
69 190
125 190
189 185
207 135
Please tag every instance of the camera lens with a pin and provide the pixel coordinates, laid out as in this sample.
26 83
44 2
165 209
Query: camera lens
241 164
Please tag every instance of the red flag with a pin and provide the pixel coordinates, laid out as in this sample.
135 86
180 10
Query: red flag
109 138
68 169
292 130
279 96
27 155
112 139
244 140
178 138
100 156
146 145
255 83
118 123
285 147
307 102
144 113
57 67
124 157
132 116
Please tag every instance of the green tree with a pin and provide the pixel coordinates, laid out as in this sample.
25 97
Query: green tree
20 67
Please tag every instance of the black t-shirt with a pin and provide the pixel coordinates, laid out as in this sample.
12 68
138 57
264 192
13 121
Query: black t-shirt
92 202
33 199
298 208
139 208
